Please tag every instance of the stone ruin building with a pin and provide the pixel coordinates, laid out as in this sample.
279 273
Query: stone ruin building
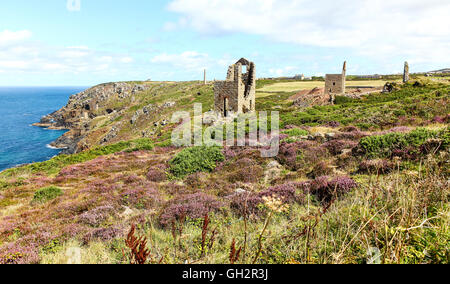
335 83
406 73
236 94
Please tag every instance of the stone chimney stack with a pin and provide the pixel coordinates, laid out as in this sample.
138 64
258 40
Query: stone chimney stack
344 69
204 77
406 73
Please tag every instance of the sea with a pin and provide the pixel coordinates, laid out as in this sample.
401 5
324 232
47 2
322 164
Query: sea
20 107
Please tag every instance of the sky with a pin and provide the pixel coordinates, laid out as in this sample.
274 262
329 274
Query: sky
88 42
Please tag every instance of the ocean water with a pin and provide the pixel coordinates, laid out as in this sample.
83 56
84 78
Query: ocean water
21 143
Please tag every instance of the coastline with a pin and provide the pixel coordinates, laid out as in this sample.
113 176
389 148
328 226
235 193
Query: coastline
28 140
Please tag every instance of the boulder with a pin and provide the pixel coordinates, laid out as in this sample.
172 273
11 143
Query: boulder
273 171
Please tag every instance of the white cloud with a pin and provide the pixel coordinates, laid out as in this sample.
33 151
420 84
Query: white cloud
20 53
9 37
282 71
416 30
126 59
189 60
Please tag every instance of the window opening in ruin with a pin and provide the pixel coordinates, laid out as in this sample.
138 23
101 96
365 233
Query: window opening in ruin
225 107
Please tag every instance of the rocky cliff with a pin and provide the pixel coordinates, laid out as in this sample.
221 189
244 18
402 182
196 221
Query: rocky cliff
114 111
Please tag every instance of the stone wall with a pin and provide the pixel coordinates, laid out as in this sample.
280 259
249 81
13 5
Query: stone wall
237 94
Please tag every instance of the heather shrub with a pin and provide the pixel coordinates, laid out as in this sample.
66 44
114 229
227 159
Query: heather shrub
322 168
351 135
244 162
141 197
97 216
247 203
194 206
46 194
327 189
441 119
196 180
288 192
102 234
333 124
229 153
290 154
335 147
249 174
195 159
14 253
132 179
173 188
156 175
251 203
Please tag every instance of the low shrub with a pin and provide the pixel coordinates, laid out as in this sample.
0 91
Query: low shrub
322 168
386 145
156 175
327 189
102 234
251 203
17 254
46 194
193 206
335 147
246 175
141 197
196 180
290 154
97 216
195 159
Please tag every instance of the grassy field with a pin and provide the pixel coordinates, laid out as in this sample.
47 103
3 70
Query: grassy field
307 85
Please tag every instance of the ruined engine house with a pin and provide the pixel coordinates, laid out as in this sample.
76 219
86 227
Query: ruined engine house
236 94
335 83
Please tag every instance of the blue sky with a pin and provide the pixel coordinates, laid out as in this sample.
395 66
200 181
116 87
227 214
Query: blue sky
57 42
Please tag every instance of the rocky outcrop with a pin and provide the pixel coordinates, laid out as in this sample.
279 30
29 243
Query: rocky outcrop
84 107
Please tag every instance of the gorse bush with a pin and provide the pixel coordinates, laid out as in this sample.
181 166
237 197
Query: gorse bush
386 145
195 159
46 194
